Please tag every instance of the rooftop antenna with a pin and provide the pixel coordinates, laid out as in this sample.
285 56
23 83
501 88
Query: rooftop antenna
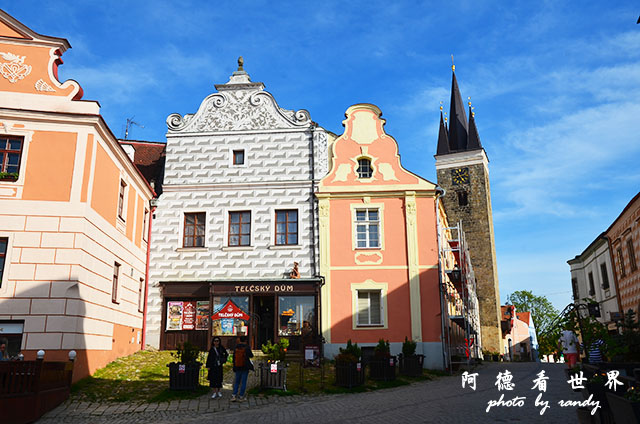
130 122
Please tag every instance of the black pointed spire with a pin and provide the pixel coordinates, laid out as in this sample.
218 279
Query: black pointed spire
474 138
443 138
457 117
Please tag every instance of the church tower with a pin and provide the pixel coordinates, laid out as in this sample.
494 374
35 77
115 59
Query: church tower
463 171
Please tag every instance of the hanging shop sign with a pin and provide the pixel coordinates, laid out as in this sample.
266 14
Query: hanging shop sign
230 311
266 287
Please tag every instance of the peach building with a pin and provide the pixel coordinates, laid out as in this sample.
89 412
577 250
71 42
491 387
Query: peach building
74 214
378 244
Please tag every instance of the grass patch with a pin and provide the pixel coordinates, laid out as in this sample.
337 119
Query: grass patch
144 377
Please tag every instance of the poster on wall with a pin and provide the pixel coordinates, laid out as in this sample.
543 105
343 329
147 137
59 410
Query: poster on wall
174 315
189 315
227 327
202 315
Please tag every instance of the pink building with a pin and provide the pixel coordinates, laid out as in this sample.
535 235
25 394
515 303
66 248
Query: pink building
378 244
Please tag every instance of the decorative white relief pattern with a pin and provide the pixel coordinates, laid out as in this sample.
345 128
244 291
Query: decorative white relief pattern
321 159
15 69
238 110
41 85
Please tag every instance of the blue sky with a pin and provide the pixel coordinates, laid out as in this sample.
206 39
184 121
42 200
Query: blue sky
555 86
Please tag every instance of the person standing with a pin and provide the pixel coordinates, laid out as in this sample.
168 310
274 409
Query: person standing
241 366
4 356
569 345
216 359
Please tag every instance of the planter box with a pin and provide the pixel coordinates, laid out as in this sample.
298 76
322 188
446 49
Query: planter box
383 369
184 376
348 375
411 365
273 380
624 411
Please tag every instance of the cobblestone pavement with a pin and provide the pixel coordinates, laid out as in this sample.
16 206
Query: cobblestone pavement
440 401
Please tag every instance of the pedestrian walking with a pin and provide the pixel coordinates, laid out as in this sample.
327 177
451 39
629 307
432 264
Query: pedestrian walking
241 365
217 357
569 347
594 351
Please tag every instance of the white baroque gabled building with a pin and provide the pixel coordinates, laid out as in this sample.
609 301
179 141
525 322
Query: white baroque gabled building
237 211
592 280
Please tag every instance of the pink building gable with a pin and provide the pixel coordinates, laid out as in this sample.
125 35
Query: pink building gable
364 138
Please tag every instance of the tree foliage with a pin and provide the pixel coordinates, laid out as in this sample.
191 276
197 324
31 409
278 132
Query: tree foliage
542 311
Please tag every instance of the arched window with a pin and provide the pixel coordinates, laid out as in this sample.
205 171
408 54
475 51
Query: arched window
364 168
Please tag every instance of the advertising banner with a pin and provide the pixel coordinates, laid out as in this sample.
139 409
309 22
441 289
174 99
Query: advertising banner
174 315
202 315
189 315
230 311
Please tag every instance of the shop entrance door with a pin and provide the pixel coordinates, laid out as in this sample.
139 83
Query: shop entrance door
264 309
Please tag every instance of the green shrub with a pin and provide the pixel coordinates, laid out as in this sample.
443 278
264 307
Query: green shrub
186 353
382 350
408 347
351 353
276 351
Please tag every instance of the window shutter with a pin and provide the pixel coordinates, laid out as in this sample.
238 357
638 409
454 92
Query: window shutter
376 316
363 307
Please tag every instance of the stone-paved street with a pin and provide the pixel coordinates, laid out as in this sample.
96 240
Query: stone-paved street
442 400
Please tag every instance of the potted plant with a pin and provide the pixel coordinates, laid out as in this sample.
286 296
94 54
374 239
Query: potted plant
383 365
8 176
273 373
626 408
410 363
185 373
349 368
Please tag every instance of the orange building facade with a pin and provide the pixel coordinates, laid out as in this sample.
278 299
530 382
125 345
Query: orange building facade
74 214
378 244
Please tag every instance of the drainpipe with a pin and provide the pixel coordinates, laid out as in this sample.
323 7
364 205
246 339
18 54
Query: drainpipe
440 192
146 276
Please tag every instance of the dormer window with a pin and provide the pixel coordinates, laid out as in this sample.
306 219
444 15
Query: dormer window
364 168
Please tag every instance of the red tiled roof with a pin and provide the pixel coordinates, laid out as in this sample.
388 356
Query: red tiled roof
524 316
148 158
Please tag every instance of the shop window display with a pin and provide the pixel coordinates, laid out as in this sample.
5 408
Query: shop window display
238 306
293 312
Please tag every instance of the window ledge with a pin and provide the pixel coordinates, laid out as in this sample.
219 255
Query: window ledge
239 248
367 248
192 249
285 247
370 326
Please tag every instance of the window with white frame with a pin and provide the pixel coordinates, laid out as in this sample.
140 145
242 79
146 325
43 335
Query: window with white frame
369 307
194 229
367 228
286 227
121 194
365 170
240 228
238 157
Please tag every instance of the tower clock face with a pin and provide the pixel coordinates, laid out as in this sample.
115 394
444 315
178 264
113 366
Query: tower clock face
460 176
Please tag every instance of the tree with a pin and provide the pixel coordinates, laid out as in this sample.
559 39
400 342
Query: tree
542 311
